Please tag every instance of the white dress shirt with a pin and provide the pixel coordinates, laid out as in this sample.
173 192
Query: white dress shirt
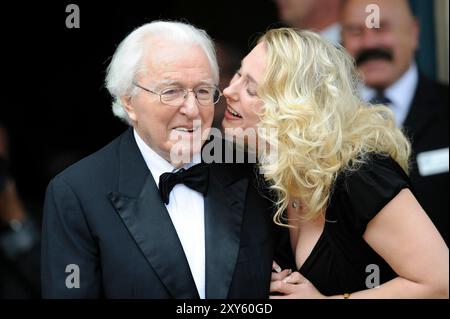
332 33
401 94
186 210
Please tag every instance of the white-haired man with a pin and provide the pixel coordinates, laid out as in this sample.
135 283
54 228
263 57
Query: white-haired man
132 220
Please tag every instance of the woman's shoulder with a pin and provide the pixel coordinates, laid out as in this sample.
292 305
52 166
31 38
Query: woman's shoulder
374 169
366 188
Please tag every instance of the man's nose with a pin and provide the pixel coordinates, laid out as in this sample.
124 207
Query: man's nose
370 38
190 106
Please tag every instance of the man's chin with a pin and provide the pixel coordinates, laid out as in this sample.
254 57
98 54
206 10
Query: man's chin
377 78
378 83
183 152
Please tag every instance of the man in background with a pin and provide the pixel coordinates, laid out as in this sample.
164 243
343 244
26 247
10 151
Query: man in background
386 59
321 16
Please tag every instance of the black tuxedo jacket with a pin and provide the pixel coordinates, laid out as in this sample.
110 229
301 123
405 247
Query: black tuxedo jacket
105 216
427 126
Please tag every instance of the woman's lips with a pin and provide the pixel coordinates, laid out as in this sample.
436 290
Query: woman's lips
232 114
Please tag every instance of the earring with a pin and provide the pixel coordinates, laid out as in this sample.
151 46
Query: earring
295 203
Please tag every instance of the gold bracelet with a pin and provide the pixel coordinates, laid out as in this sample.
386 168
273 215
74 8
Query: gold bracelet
347 296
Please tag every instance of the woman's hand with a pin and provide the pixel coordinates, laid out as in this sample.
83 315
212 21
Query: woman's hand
278 273
293 286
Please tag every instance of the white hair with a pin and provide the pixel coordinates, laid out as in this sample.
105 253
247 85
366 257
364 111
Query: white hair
127 59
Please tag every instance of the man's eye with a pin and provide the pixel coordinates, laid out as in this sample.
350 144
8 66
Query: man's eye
170 92
384 26
204 91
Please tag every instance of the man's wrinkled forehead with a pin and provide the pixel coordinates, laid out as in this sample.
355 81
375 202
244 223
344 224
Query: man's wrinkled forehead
390 10
167 59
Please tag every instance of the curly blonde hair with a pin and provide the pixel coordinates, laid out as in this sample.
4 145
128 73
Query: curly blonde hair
310 91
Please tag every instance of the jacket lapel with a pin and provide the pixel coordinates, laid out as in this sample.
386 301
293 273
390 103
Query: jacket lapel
422 111
224 208
142 211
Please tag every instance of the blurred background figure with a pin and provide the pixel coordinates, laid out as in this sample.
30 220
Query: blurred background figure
321 16
19 237
386 59
229 59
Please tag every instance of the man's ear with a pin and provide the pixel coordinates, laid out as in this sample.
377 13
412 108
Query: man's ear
128 106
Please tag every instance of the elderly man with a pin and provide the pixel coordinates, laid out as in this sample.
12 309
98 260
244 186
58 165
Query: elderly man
320 16
385 58
132 220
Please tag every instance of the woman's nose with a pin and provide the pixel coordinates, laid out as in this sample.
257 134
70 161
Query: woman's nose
230 93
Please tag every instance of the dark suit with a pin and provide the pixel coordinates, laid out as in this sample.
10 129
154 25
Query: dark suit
104 214
427 126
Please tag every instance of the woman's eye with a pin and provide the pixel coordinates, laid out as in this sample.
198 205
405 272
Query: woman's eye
251 92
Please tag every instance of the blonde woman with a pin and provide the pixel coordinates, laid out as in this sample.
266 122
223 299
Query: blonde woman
340 175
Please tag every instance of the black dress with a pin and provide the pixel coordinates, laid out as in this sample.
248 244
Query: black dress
341 260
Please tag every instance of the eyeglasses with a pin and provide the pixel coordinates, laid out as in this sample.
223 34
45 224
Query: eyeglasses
205 95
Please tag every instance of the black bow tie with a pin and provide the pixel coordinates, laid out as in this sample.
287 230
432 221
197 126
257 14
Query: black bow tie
196 178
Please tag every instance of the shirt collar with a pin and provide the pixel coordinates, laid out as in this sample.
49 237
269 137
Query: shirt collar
401 93
155 163
332 33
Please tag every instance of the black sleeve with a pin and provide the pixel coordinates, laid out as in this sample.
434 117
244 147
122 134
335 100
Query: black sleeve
67 245
370 188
